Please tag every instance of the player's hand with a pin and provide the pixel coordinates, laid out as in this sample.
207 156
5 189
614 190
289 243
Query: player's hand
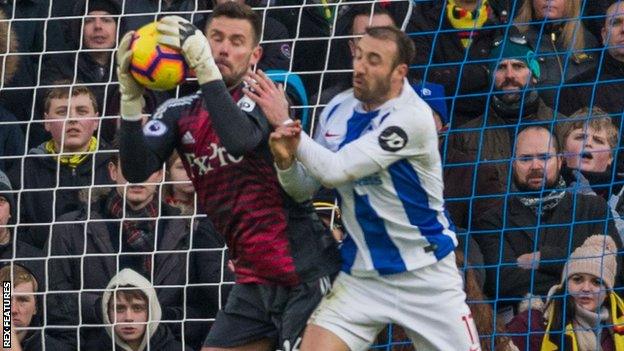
529 260
132 101
270 97
284 142
181 34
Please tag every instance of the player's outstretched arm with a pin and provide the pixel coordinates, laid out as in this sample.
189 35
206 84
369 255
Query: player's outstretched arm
333 169
137 157
291 174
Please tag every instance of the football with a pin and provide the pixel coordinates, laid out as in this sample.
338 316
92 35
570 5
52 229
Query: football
155 66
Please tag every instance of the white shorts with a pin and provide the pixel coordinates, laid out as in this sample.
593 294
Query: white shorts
429 303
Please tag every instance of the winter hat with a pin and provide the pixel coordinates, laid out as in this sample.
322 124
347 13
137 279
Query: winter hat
514 46
596 257
109 6
433 94
6 190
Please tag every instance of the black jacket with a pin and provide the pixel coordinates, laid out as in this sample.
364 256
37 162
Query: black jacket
40 172
486 142
11 140
559 234
603 83
95 271
162 340
35 33
441 58
33 342
81 67
26 256
557 65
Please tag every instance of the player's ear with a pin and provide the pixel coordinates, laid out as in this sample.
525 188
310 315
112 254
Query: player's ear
402 70
256 55
46 124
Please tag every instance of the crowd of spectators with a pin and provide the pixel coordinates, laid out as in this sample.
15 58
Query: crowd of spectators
527 96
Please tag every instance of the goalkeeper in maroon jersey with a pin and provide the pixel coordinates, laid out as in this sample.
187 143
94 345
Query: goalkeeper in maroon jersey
281 252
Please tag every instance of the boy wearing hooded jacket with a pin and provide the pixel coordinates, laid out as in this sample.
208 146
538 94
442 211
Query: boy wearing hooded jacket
132 314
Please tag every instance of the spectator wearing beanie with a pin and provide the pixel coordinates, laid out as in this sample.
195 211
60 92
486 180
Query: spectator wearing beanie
584 305
453 38
514 103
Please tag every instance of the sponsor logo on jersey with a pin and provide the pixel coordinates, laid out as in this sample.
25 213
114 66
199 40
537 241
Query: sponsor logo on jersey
328 134
154 127
187 138
392 139
215 157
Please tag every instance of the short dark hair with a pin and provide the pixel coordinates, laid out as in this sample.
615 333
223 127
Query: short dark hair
405 46
368 10
545 127
232 9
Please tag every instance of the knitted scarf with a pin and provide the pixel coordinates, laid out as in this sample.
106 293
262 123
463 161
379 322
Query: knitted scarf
588 327
468 20
613 319
74 160
540 203
138 234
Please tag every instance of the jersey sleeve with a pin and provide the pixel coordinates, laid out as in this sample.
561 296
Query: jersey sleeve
406 132
143 149
241 126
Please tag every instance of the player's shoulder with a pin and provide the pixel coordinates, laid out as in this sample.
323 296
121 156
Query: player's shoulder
410 101
411 109
345 100
175 103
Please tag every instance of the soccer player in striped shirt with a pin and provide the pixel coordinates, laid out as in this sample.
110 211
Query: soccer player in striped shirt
282 253
377 145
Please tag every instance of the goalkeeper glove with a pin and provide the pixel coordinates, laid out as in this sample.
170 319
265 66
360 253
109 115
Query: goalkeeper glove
179 33
132 101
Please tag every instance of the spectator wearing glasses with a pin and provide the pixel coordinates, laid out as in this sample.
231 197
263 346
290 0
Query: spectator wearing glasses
514 102
525 247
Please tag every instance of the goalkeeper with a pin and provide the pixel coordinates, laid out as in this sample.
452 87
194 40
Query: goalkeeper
281 252
377 145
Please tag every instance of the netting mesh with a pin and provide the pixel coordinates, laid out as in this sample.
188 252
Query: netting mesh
62 229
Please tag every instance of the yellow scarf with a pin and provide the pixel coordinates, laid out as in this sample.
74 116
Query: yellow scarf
72 161
328 11
618 327
469 20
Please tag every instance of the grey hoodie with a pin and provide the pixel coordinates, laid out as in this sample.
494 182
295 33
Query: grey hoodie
129 277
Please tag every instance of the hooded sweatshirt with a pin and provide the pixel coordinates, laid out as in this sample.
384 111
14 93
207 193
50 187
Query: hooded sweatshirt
156 336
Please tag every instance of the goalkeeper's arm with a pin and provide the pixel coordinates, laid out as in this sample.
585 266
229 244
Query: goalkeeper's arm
139 156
